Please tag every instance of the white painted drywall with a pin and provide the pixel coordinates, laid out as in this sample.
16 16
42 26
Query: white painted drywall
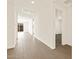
67 26
44 22
26 27
30 26
58 21
11 25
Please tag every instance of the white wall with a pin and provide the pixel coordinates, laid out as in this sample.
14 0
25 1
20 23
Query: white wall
26 27
67 26
11 25
30 26
58 19
44 22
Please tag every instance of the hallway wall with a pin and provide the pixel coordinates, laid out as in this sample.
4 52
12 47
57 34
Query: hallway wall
44 22
26 27
11 24
67 26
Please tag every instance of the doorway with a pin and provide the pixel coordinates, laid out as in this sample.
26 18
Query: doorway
58 28
24 26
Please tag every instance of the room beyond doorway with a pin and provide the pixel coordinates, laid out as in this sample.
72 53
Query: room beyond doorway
24 25
20 27
58 40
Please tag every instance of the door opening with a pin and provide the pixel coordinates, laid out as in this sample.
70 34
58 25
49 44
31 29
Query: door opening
58 34
58 28
25 26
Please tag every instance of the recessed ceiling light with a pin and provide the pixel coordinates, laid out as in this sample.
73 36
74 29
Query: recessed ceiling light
33 2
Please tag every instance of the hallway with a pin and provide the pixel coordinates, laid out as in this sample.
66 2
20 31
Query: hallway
28 48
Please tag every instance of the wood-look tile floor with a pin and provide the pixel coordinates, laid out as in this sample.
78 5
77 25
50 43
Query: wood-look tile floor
28 48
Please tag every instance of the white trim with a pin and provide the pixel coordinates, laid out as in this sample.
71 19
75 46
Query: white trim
51 47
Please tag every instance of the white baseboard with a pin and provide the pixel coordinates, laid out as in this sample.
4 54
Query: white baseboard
10 47
66 44
44 42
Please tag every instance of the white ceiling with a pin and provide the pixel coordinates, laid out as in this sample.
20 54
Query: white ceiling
26 5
